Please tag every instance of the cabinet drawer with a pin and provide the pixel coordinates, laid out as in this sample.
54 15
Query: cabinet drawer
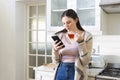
43 75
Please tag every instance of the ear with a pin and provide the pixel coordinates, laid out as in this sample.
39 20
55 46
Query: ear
76 20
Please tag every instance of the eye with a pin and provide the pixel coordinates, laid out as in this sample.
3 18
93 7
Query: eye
68 22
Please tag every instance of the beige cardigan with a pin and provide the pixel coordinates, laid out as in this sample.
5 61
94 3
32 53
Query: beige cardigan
81 61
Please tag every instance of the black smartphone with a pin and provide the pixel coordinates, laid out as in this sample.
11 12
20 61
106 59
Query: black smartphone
58 39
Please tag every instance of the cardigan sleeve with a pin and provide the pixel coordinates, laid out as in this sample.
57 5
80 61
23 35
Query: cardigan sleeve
55 56
85 49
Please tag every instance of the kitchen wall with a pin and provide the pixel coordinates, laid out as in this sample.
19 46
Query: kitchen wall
12 44
108 43
110 23
113 24
108 46
20 41
7 40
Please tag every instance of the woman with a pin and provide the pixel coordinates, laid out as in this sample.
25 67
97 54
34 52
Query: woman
72 59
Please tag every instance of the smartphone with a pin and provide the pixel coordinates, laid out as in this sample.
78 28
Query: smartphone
58 39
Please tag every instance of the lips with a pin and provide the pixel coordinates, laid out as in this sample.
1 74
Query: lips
68 29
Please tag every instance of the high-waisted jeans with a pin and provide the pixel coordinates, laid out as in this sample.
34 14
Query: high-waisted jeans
65 71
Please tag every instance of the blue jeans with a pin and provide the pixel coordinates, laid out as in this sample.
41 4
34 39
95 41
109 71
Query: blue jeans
65 71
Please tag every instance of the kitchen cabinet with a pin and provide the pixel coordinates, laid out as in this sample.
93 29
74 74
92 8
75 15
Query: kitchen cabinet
87 10
110 6
43 75
44 72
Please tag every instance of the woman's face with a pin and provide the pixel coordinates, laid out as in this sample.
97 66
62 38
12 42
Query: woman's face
69 23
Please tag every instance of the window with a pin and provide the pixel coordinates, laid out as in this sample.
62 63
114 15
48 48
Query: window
38 38
87 10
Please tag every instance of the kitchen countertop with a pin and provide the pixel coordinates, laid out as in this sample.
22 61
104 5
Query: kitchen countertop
45 67
92 72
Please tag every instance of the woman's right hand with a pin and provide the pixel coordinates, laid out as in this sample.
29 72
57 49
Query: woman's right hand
57 46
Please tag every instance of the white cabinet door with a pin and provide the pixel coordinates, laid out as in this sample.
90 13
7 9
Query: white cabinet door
43 75
89 15
87 10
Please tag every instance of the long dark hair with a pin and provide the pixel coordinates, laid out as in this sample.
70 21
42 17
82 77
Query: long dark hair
72 14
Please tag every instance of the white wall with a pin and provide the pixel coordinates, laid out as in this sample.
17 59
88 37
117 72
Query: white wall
7 40
20 41
103 22
108 46
113 24
110 23
12 39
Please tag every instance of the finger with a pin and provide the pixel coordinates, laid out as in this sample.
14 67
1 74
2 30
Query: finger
55 41
62 46
58 43
58 47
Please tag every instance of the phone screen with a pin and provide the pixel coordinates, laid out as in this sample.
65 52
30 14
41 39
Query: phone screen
58 40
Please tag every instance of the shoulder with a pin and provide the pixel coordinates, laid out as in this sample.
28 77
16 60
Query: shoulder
88 36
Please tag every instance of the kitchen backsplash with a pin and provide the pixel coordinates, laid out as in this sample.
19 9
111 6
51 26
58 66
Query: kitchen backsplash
112 58
108 46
